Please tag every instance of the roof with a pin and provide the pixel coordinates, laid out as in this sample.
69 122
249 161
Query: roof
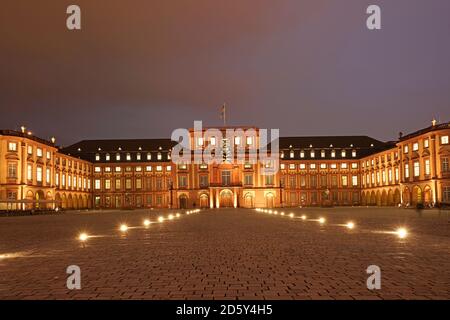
324 142
441 126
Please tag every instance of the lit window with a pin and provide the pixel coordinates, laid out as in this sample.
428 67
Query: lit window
405 149
97 184
322 153
57 179
396 174
169 156
354 154
302 154
97 157
343 153
30 172
313 154
406 170
302 166
355 181
390 175
148 168
249 140
292 166
39 174
108 157
312 166
200 141
427 166
138 156
333 166
138 169
323 166
282 166
213 141
282 155
169 168
344 181
415 146
69 181
107 169
128 157
416 169
333 154
237 140
63 182
344 166
291 154
158 168
97 169
149 156
117 169
12 146
128 169
30 150
205 166
39 152
107 184
354 165
444 140
159 156
117 156
426 143
48 155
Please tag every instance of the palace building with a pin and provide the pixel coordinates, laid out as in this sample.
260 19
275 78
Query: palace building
140 173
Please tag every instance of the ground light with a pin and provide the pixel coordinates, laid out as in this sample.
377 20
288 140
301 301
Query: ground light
303 217
321 220
123 228
146 222
177 215
282 213
161 219
401 233
350 225
170 216
291 215
83 237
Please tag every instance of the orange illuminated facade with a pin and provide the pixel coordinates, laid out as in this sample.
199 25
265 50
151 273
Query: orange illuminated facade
140 173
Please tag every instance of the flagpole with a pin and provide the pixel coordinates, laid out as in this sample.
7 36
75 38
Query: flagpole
224 114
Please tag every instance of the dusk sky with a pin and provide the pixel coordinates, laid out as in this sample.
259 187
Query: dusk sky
139 69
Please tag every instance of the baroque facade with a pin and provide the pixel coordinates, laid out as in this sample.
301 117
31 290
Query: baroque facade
140 173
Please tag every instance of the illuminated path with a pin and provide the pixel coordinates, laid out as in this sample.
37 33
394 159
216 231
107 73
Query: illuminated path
226 254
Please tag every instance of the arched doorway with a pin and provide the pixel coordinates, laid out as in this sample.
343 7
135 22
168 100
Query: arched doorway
30 199
416 195
406 198
363 199
69 202
226 199
427 198
39 197
384 200
378 199
64 201
204 201
183 201
49 197
390 198
248 200
373 200
58 201
397 199
269 200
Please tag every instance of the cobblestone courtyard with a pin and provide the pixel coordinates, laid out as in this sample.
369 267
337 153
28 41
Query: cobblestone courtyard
227 254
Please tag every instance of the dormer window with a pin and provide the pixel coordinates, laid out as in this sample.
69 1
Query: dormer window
302 154
149 156
128 157
333 153
343 153
282 155
159 156
138 156
108 157
97 157
312 154
117 156
354 154
291 154
322 153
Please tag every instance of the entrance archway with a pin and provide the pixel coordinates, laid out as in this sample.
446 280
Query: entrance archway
269 200
427 198
183 201
416 195
226 199
405 197
204 201
39 197
248 200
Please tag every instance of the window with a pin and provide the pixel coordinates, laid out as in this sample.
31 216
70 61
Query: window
323 166
212 140
302 166
12 170
323 181
107 184
12 146
182 181
269 180
117 169
30 150
390 175
200 141
39 152
128 184
344 181
354 154
322 153
138 169
107 169
107 157
312 154
138 183
117 156
282 166
29 172
248 179
291 166
159 184
47 175
333 166
312 166
63 180
203 181
405 149
444 140
426 143
159 168
128 169
406 170
292 181
355 181
291 154
148 168
396 174
343 153
97 169
444 164
427 166
415 146
74 182
138 156
69 181
237 140
302 181
97 157
446 194
333 154
344 165
249 140
48 155
313 181
354 165
378 178
159 156
97 184
149 156
117 186
128 157
334 181
302 154
226 177
383 177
